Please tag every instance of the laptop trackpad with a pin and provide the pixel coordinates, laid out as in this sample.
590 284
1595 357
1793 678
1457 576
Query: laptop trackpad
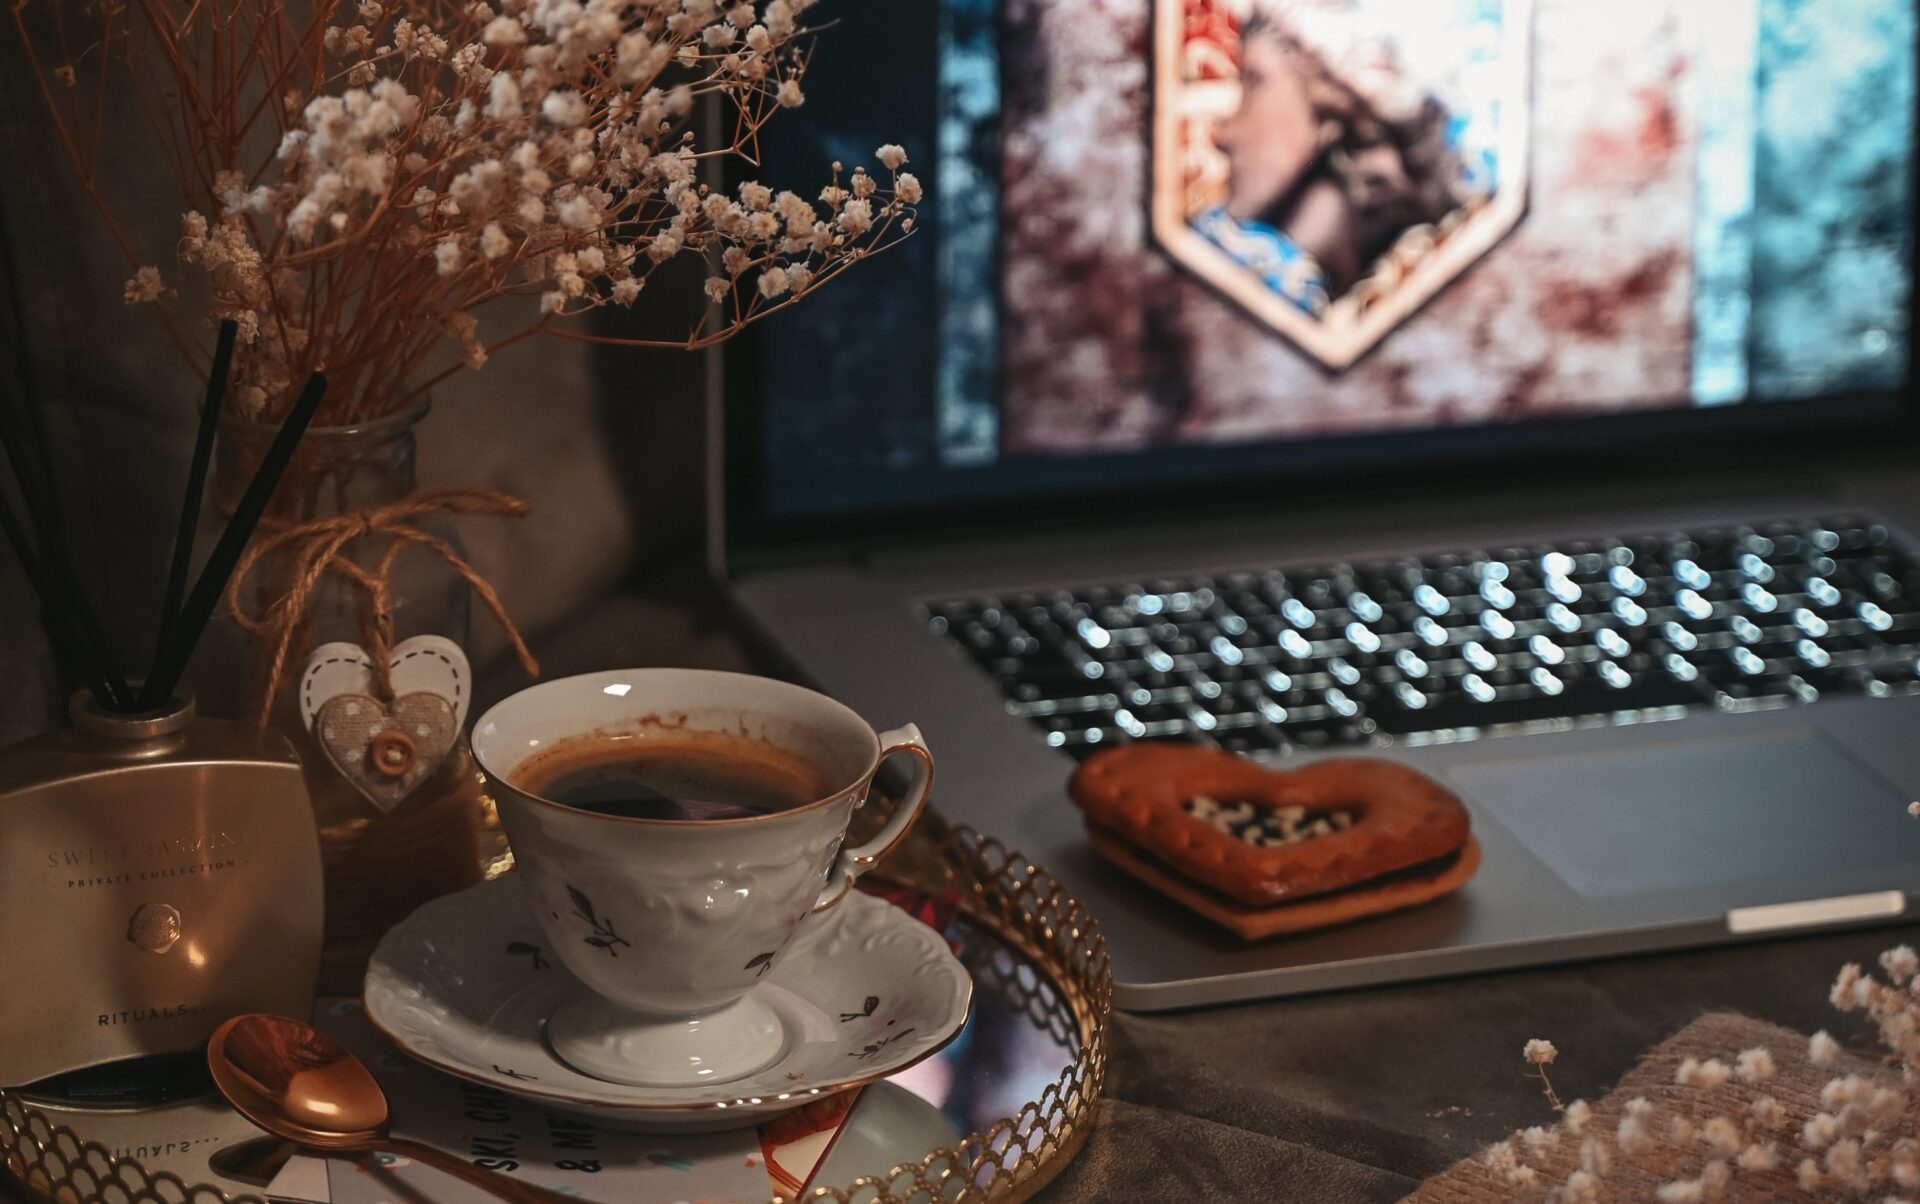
1697 812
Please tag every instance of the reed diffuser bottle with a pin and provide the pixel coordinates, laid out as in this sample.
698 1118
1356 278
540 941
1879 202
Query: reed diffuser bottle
160 872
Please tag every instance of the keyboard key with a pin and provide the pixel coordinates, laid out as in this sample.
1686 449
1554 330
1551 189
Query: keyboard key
1611 642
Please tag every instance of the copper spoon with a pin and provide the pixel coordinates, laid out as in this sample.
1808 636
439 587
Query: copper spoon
299 1084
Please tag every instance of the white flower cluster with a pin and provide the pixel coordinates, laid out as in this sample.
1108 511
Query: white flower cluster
454 153
1732 1134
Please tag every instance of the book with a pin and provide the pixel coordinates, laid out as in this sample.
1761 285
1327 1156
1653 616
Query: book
566 1153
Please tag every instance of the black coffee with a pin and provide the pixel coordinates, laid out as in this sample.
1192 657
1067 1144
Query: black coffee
686 775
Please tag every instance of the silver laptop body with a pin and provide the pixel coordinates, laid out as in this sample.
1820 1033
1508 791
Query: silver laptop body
1277 543
1598 841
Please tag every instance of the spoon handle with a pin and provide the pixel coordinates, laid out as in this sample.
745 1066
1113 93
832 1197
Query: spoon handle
492 1182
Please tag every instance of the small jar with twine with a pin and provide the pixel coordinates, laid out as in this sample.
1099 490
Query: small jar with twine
351 549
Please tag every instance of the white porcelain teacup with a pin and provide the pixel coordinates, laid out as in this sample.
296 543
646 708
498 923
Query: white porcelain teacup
670 923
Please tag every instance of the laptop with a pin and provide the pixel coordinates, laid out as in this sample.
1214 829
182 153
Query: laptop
1514 389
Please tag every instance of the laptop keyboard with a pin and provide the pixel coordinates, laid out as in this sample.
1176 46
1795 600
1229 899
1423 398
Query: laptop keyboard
1461 645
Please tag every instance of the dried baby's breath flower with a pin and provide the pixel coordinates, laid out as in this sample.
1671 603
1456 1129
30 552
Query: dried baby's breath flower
564 107
1633 1135
1683 1191
1847 1091
1808 1174
1822 1049
1502 1158
1845 993
1538 1053
856 217
415 160
1768 1112
144 285
1904 1163
494 241
1714 1177
1595 1158
1759 1158
1722 1136
1694 1073
1820 1131
1843 1160
1754 1065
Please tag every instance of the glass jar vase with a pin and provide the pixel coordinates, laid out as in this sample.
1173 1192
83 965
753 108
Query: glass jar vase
378 866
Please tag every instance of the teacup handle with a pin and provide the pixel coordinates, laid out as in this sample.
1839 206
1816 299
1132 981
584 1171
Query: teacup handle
851 863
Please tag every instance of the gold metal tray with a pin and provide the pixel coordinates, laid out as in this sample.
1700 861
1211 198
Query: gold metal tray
1044 993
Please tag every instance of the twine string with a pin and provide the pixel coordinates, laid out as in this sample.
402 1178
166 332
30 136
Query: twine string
318 547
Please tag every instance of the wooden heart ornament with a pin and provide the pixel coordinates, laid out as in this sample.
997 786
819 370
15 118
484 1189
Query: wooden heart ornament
386 749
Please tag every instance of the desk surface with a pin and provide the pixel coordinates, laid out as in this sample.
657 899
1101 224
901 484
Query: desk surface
1353 1097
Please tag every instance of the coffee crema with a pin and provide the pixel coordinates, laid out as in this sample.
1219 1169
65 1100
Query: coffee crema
672 774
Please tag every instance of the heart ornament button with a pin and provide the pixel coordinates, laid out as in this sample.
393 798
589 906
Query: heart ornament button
386 749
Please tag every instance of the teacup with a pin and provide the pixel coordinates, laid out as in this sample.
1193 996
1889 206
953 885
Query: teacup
669 924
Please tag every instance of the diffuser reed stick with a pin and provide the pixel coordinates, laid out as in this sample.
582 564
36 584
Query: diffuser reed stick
210 410
233 541
62 601
58 622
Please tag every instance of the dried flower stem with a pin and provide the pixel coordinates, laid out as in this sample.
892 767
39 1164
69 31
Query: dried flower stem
360 176
1540 1054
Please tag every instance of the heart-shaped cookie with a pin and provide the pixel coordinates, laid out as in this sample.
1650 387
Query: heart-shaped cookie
386 749
1266 836
1396 892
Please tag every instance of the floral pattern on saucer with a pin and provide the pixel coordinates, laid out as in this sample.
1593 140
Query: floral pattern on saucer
864 991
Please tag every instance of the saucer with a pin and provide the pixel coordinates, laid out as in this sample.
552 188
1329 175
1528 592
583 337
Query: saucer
465 985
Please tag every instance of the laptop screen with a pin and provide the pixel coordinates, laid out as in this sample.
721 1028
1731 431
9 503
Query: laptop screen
1169 241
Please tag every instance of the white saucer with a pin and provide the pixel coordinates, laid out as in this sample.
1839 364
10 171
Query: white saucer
465 985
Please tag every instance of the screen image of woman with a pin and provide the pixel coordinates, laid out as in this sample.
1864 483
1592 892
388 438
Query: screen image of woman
1334 152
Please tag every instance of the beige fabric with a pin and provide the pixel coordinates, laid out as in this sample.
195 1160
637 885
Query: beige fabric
1796 1085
